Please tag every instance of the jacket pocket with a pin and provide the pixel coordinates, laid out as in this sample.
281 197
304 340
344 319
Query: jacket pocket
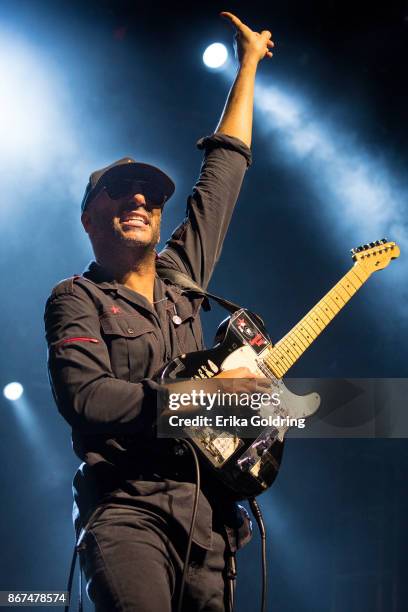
189 333
132 344
188 330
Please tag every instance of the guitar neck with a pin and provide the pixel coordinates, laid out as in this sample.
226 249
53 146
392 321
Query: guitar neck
291 347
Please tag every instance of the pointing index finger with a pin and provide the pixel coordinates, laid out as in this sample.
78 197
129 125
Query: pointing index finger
232 18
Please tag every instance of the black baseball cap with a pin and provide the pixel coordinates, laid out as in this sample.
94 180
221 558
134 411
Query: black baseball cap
128 168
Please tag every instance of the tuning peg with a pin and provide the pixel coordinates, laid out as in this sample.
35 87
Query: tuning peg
384 240
377 243
372 245
366 246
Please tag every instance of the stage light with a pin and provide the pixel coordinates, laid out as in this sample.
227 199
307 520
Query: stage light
23 105
13 391
215 55
30 101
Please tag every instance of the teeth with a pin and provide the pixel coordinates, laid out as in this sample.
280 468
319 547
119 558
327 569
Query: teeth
135 219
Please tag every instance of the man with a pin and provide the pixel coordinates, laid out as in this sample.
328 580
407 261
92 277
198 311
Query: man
109 332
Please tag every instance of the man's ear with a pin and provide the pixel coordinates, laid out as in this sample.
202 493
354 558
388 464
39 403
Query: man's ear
86 221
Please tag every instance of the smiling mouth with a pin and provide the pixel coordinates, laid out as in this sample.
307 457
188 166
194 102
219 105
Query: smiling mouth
134 220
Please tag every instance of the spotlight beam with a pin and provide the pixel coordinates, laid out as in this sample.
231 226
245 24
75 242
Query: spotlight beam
365 195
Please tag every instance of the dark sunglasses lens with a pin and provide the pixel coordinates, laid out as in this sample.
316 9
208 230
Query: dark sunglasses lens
123 188
119 188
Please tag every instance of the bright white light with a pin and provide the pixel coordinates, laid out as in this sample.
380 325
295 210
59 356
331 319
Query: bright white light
35 130
24 102
30 103
13 391
215 55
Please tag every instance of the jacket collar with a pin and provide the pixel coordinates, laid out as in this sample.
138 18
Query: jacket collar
100 277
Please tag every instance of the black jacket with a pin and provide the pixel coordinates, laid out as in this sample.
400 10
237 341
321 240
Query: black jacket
107 343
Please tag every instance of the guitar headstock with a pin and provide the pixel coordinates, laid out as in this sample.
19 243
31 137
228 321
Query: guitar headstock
376 255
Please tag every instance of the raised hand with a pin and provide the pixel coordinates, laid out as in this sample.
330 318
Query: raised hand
250 45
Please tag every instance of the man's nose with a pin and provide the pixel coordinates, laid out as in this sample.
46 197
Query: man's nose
139 199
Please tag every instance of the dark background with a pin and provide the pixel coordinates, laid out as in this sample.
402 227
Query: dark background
85 83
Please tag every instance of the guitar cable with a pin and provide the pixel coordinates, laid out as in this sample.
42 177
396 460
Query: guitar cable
256 511
193 521
77 546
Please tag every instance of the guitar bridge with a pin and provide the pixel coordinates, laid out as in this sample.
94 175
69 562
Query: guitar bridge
218 447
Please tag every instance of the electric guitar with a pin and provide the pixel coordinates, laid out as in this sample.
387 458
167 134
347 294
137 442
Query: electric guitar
249 466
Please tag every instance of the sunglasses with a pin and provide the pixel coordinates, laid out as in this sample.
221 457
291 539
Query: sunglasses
118 188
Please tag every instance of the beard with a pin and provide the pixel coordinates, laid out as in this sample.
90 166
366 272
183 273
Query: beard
140 240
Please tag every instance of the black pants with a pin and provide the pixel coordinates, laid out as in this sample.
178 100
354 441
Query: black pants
133 563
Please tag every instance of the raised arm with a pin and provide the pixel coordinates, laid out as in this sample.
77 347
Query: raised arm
195 245
251 47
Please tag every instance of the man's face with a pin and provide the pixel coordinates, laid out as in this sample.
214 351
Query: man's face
131 222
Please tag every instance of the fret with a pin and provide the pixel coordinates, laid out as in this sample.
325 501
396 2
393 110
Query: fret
308 319
331 303
310 334
303 344
360 272
317 321
347 288
326 318
282 357
288 359
273 364
275 367
339 297
293 346
288 350
278 371
271 360
304 335
352 282
355 279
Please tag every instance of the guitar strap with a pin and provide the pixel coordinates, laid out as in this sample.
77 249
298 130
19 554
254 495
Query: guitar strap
187 284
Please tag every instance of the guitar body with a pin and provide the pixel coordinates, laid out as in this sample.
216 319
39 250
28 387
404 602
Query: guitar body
247 467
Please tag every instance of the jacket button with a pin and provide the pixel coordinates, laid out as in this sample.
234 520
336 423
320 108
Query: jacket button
131 330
